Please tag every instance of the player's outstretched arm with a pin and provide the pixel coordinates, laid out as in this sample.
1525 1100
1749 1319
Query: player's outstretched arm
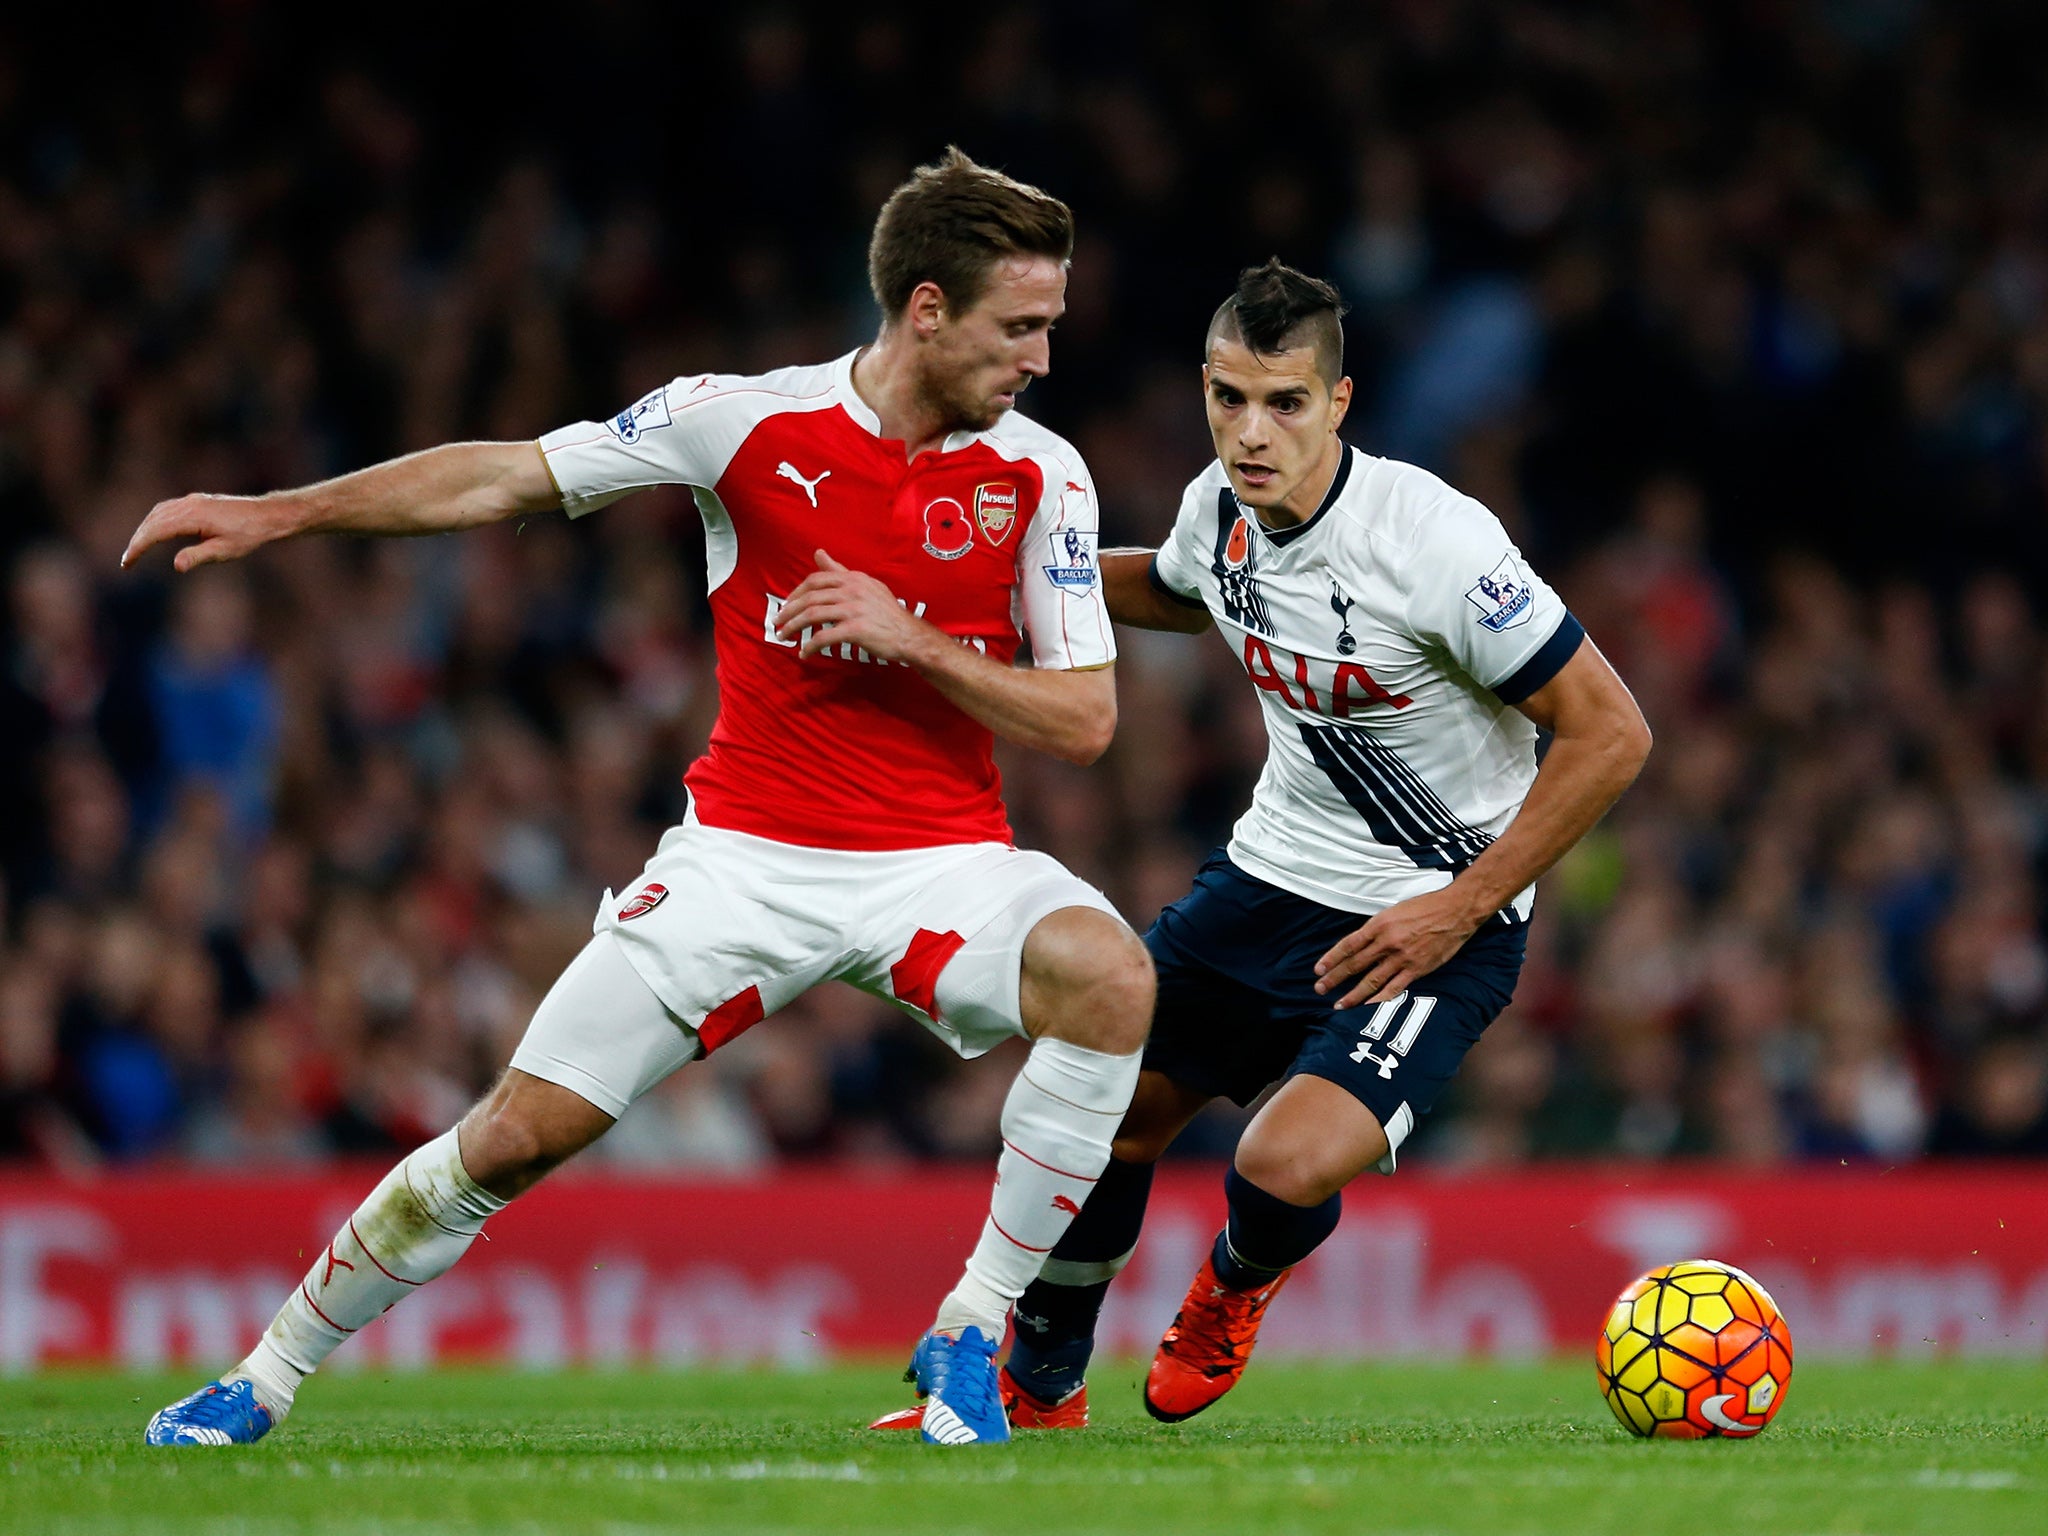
1069 714
1133 597
1599 740
440 490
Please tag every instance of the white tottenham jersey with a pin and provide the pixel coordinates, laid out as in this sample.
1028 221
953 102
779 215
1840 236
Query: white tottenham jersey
1388 636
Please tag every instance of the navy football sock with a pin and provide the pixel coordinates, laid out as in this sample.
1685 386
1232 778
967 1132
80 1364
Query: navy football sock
1265 1234
1055 1317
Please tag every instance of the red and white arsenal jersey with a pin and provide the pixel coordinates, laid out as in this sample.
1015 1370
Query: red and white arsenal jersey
991 537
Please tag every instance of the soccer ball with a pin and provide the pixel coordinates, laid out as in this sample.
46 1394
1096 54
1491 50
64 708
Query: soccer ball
1694 1350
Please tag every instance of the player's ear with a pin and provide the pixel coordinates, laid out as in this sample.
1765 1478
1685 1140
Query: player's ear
926 310
1340 401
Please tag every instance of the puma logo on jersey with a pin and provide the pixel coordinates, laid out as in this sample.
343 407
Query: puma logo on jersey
787 471
1062 1203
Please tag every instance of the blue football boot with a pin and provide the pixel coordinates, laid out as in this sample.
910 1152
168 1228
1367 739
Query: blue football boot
217 1414
957 1380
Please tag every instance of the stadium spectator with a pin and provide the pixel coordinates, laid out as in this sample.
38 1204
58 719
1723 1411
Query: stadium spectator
215 706
35 1125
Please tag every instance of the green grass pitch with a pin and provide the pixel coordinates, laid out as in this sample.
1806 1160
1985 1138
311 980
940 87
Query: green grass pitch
1386 1450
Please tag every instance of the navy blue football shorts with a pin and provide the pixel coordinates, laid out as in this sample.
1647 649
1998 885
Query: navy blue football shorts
1238 1009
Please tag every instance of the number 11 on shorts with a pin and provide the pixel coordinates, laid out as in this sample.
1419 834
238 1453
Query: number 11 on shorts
1419 1010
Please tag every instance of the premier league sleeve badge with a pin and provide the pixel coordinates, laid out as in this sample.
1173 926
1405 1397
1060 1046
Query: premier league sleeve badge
1073 559
1502 596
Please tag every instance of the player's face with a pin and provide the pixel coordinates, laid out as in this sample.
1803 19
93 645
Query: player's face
1274 422
979 361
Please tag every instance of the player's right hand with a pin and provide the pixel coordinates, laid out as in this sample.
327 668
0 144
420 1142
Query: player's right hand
1398 946
227 528
836 605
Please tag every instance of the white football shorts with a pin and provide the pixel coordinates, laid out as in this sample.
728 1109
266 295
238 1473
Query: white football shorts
725 928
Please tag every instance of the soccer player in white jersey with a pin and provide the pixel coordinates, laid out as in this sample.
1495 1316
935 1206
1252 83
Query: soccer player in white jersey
1366 921
882 532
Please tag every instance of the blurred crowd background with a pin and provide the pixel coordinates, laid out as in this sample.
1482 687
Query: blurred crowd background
1736 313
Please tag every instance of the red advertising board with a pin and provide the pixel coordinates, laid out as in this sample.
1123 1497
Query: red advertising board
801 1266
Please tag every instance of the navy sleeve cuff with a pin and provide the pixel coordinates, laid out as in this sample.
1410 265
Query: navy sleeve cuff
1548 661
1159 585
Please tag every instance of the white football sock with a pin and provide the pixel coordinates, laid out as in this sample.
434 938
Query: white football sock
414 1226
1058 1123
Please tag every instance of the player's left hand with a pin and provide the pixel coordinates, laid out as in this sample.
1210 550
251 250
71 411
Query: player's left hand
1397 947
841 606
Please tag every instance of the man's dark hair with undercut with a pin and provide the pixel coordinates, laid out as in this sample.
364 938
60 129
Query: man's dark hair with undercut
1277 309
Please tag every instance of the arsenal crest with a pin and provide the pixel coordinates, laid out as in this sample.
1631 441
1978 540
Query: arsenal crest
995 508
947 535
644 901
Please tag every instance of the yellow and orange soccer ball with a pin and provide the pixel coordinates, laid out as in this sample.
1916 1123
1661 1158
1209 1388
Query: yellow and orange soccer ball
1692 1351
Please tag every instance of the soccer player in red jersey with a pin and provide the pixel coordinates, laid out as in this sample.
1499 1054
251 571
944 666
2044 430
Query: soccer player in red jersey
882 533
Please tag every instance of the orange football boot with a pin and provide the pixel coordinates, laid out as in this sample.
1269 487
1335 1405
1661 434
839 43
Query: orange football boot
1025 1411
1205 1350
